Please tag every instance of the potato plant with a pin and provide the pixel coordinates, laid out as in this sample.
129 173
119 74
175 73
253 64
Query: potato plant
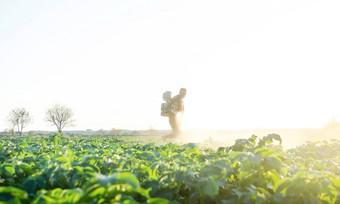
60 169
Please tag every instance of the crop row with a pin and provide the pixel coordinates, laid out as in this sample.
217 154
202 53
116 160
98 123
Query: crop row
59 169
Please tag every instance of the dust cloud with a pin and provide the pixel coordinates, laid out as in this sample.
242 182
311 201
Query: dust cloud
290 137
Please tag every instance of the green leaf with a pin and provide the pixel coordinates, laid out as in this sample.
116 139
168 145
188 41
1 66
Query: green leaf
21 194
62 159
10 170
29 185
256 159
336 183
223 163
97 192
158 201
119 178
272 162
209 187
276 137
25 167
145 192
281 185
147 155
264 191
208 171
237 155
127 178
168 193
152 185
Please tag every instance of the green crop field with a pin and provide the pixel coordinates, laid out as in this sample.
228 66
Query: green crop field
62 169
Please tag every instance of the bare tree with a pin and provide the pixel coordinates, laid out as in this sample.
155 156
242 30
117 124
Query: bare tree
60 116
19 118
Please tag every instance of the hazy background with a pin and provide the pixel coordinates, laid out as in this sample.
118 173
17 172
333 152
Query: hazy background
245 64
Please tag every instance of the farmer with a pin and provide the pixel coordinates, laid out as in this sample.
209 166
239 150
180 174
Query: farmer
176 111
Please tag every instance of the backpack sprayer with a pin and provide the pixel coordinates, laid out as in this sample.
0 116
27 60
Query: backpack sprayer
165 107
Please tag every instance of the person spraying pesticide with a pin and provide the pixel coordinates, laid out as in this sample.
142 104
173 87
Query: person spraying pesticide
174 109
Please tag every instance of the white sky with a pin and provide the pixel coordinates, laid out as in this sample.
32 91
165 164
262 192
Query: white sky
245 64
